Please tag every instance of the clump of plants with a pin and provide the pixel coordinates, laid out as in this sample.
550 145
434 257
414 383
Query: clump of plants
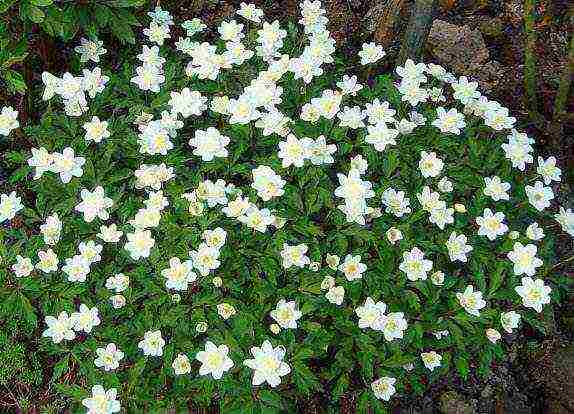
246 221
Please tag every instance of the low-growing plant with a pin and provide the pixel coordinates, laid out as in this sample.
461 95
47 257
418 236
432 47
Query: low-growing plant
244 222
63 19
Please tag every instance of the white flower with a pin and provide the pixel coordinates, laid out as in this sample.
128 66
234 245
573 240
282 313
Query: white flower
449 122
349 85
90 49
257 219
42 160
150 56
68 165
430 200
51 229
548 170
148 78
535 232
118 282
94 82
534 293
85 319
518 150
267 364
492 335
430 165
139 244
352 267
413 94
294 256
292 152
524 259
179 274
465 91
48 261
496 189
442 216
8 120
539 196
351 117
94 204
23 266
157 33
371 314
214 360
231 31
437 278
90 251
395 202
320 152
332 261
370 53
187 103
379 112
109 357
250 12
205 258
77 268
201 327
154 139
267 183
209 144
491 224
102 401
509 320
181 365
415 265
565 218
413 71
380 136
328 104
59 329
457 247
215 238
394 235
242 111
225 310
110 234
286 314
394 326
431 360
152 344
383 388
118 301
335 295
353 187
471 301
10 205
237 207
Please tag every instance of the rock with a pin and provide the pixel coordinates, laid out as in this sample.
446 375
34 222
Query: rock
463 50
453 403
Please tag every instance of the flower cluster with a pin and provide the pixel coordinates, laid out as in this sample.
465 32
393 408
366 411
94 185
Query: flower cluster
255 184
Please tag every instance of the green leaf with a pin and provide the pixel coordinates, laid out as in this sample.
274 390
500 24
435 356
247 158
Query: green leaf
60 367
42 3
35 14
5 5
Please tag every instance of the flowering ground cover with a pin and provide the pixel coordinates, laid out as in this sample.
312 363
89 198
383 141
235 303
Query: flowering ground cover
253 220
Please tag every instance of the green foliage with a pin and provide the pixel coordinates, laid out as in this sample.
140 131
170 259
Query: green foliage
328 354
11 54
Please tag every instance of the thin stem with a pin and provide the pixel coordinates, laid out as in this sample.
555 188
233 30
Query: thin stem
529 56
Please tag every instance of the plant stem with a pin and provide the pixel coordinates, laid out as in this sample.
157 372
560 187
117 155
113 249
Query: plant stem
529 56
417 32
